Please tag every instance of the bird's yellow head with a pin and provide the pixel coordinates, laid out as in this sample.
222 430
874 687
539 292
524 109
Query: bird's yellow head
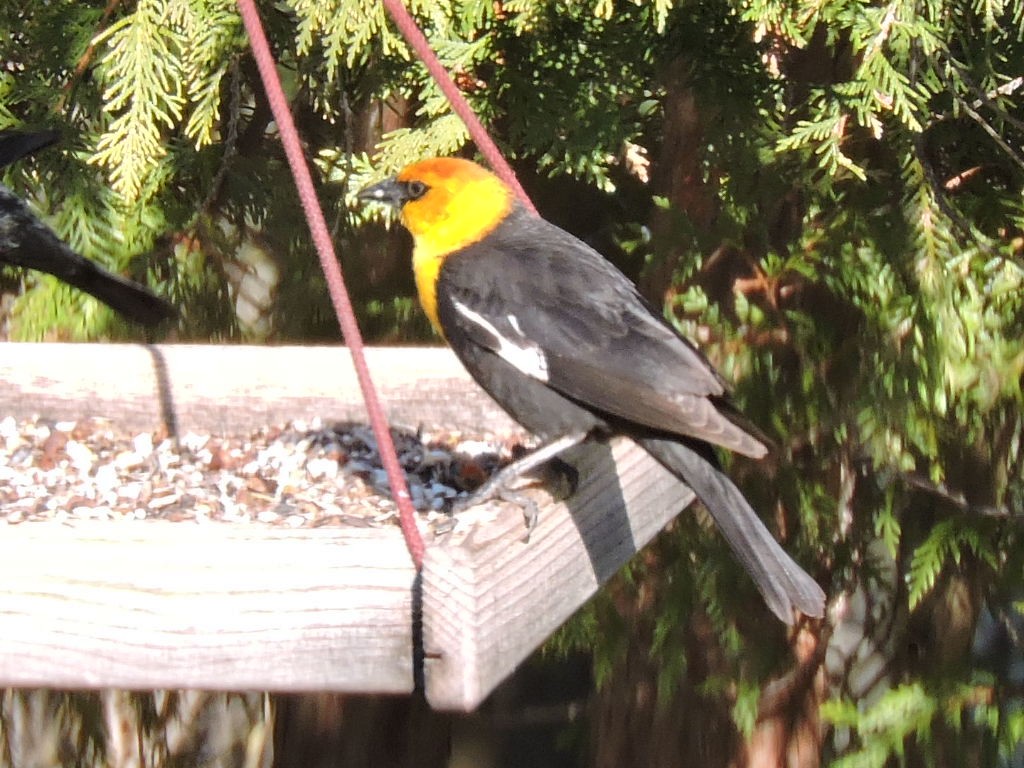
447 204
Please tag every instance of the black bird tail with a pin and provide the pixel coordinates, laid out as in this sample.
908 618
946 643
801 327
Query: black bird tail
25 241
134 301
786 587
15 144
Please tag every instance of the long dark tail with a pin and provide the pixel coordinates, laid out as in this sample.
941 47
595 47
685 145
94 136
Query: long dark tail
16 144
134 301
25 241
786 587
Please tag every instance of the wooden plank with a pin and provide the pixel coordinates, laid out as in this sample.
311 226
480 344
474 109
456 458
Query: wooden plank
489 598
233 389
139 604
227 607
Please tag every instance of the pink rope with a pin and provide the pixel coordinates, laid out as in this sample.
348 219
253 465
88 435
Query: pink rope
332 272
418 42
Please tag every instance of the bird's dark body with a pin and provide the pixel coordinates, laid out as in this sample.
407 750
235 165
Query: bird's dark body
562 340
609 365
611 360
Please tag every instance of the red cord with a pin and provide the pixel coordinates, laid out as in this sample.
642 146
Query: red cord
418 42
332 272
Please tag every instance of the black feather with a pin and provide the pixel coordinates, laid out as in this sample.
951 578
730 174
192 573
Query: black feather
25 241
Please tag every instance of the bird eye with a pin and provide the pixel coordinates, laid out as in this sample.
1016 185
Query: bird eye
416 189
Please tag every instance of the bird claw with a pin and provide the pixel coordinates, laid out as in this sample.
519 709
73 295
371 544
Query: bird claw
443 526
557 476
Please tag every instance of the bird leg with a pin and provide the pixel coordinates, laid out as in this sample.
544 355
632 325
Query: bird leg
499 486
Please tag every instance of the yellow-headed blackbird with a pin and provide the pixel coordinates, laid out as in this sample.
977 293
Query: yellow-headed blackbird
561 339
25 241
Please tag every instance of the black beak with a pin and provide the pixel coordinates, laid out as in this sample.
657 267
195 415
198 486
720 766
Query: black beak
390 191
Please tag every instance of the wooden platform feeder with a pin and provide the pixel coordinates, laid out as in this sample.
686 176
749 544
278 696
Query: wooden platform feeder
221 606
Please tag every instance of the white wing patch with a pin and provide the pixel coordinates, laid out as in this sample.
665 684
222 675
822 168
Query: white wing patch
520 353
